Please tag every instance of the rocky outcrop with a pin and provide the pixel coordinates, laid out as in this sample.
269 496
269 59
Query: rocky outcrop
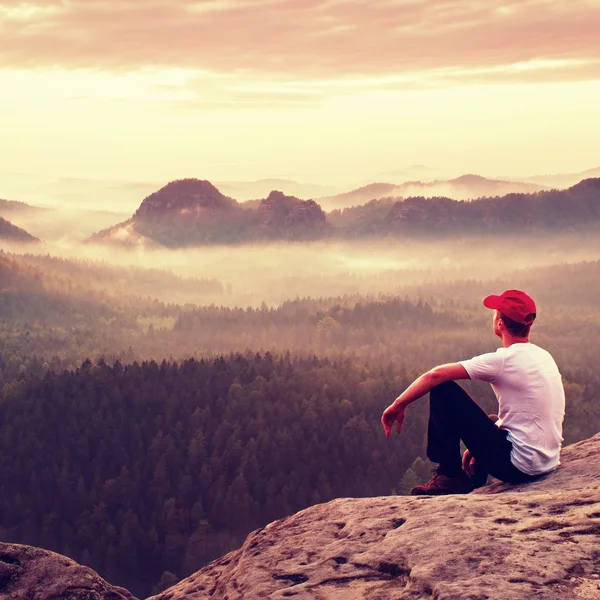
281 216
185 197
539 540
191 212
502 542
28 573
186 212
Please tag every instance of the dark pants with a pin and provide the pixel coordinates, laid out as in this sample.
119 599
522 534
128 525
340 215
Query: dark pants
455 416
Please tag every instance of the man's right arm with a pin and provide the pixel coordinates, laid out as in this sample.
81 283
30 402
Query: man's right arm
418 388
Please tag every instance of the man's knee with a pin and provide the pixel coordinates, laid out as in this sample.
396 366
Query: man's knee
444 390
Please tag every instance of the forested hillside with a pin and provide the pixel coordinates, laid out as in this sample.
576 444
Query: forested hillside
545 211
12 233
144 462
59 313
140 469
13 206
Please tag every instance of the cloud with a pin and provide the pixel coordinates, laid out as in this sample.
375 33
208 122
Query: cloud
289 40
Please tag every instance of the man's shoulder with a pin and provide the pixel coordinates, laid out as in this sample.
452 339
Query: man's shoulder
533 351
528 347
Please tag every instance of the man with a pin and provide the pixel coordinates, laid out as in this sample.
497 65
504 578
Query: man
526 439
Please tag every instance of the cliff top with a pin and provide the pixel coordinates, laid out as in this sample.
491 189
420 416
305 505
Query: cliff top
502 542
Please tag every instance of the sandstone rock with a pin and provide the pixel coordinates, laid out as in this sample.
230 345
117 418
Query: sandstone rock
539 540
191 212
185 197
28 573
285 215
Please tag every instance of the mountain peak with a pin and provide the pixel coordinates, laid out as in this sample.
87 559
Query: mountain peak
469 179
586 186
279 213
190 185
277 196
276 205
182 197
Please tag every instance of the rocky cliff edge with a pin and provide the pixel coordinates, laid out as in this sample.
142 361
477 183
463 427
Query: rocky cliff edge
534 541
539 540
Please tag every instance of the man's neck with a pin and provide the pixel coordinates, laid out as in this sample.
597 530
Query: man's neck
509 340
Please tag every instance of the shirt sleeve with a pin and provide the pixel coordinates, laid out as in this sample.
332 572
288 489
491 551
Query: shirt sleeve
485 367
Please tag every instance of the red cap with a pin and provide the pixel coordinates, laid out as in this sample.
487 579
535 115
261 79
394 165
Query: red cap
515 304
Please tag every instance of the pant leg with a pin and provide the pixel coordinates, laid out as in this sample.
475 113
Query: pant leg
455 416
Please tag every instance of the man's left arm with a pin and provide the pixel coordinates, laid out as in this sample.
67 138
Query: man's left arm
421 386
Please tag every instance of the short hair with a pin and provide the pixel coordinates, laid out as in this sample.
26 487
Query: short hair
515 328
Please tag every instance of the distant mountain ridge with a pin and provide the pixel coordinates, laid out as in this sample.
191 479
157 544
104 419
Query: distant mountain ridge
193 212
11 206
12 233
465 187
564 180
251 190
549 210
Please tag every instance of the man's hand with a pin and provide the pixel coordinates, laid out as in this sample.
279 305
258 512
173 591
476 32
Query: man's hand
391 414
468 463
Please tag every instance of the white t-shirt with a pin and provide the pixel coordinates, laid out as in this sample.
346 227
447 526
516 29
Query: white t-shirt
531 401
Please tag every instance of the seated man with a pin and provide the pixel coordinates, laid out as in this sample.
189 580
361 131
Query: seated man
526 439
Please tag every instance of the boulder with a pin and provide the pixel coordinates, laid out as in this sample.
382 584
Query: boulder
28 573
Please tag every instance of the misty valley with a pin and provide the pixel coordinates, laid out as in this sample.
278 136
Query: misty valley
172 380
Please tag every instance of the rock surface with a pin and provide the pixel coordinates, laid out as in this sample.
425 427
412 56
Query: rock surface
28 573
285 216
539 540
188 197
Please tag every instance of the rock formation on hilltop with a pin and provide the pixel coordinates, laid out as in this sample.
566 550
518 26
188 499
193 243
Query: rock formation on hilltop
192 212
538 540
285 216
28 573
186 212
186 197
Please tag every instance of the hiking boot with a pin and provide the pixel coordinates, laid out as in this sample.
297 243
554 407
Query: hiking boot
440 485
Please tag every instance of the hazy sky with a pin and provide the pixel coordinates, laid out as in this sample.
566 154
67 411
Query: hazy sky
328 91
